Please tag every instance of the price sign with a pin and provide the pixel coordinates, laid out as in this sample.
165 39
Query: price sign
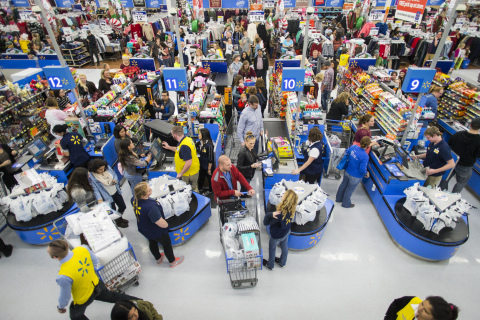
59 78
67 31
27 15
462 20
175 79
377 15
314 35
373 31
139 16
257 16
220 18
418 80
68 39
269 4
472 29
293 79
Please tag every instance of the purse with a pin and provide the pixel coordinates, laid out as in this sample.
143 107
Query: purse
343 164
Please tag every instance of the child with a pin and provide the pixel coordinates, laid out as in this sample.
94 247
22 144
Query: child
177 63
229 51
242 103
218 51
459 55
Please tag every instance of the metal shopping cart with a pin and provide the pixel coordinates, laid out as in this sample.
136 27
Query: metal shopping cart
339 137
3 193
241 270
118 274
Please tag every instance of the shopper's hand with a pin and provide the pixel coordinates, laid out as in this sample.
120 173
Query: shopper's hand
6 163
62 310
367 175
251 192
142 155
276 213
114 182
209 172
149 157
431 171
238 193
129 134
14 152
296 171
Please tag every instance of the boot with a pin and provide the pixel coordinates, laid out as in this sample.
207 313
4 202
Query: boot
8 250
121 223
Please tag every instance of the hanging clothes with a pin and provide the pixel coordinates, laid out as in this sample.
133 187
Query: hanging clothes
252 31
148 31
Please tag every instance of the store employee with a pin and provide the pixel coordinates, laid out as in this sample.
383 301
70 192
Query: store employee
187 164
312 169
72 146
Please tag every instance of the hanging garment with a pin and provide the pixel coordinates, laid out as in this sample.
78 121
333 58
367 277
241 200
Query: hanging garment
136 30
252 31
148 31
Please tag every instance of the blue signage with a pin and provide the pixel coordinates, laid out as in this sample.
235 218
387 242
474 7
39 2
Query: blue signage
21 3
153 3
293 79
59 78
127 3
363 63
64 3
444 65
334 3
287 63
435 2
418 80
289 3
175 79
237 4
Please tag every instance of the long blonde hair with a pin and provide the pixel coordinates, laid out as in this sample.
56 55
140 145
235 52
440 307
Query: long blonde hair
139 191
80 83
288 204
342 98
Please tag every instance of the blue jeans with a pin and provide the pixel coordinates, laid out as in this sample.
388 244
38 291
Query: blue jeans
272 246
462 175
133 180
325 98
345 191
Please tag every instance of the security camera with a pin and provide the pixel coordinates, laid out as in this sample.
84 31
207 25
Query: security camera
310 10
172 11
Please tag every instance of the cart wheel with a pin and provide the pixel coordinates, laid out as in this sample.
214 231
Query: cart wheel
338 176
136 284
325 175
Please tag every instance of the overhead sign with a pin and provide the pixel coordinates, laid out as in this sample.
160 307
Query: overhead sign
59 78
175 79
410 10
289 3
27 15
302 3
377 15
20 3
139 16
256 16
269 4
215 3
64 3
237 4
152 3
293 79
418 80
127 3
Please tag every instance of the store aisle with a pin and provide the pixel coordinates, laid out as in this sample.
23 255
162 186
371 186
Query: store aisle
467 74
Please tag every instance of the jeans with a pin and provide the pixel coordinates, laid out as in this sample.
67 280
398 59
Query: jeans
166 243
462 174
118 200
166 62
192 180
432 181
93 52
345 191
202 174
272 246
133 180
77 311
325 98
262 74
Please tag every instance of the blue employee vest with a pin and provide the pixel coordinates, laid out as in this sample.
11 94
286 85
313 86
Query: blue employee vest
316 167
145 225
72 142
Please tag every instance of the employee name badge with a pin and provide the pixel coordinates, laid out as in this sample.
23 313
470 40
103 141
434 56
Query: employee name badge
436 151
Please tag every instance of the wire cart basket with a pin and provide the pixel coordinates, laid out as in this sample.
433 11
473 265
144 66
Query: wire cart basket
118 274
339 137
242 271
3 209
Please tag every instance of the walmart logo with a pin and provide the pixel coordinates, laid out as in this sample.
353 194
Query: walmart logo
76 140
182 234
84 268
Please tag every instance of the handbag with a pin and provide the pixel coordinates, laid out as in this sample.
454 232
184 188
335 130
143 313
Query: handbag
343 164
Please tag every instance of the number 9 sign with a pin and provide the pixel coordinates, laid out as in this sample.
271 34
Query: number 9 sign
418 80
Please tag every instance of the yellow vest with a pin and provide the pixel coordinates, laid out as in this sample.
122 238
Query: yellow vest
179 163
408 313
80 269
344 60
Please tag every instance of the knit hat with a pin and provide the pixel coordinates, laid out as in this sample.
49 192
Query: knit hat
404 71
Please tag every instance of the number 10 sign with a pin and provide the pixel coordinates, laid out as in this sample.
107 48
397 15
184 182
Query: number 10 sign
293 79
175 79
418 80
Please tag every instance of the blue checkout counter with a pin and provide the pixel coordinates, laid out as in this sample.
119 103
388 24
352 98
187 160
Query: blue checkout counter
449 130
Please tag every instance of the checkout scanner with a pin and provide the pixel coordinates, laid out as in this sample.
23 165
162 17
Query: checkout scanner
278 163
392 156
158 155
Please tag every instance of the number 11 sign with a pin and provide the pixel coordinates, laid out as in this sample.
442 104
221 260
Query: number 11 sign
418 80
175 79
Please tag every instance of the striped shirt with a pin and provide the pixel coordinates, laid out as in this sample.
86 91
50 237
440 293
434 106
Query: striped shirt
328 80
62 102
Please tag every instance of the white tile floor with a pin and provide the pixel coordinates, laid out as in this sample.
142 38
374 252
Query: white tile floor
355 270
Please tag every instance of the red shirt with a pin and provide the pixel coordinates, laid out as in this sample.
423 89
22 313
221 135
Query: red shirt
220 187
362 133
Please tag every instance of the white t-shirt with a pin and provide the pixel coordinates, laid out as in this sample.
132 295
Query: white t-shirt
314 153
228 48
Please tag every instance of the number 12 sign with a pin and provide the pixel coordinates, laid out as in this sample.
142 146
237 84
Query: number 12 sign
59 78
175 79
418 80
293 79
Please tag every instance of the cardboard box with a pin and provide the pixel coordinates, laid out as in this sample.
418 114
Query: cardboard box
250 246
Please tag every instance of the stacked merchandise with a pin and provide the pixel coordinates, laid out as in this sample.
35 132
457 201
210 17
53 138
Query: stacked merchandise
215 110
75 54
311 109
465 97
391 114
283 146
20 111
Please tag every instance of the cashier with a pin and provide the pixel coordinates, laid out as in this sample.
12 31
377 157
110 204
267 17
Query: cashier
227 180
72 146
187 164
432 98
438 157
312 169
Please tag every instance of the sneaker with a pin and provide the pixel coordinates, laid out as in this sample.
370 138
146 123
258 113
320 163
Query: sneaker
277 260
177 261
8 250
265 264
206 193
123 220
159 261
121 223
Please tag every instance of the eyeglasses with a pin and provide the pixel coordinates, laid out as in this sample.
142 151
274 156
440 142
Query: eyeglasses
250 136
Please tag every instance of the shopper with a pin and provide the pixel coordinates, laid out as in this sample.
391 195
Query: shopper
164 55
187 164
106 183
247 72
227 180
317 60
238 89
77 278
433 47
245 45
312 169
165 106
413 308
229 51
155 51
152 224
245 57
280 223
125 62
438 157
130 161
82 191
317 88
171 45
217 49
105 82
432 98
6 249
364 124
339 107
205 150
327 85
85 88
260 85
466 144
287 44
247 161
62 99
120 132
72 146
258 45
260 65
251 120
235 65
126 54
54 115
134 310
7 159
92 48
197 60
354 173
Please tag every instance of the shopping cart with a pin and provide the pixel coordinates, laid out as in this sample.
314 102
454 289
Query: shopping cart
339 136
118 274
242 271
3 209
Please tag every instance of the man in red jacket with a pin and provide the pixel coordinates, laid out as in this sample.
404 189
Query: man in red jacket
227 180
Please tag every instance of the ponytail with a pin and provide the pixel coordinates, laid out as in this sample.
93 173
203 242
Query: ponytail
441 309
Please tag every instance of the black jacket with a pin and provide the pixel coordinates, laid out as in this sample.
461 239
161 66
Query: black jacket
337 111
468 156
265 63
91 89
244 162
92 42
395 306
104 86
